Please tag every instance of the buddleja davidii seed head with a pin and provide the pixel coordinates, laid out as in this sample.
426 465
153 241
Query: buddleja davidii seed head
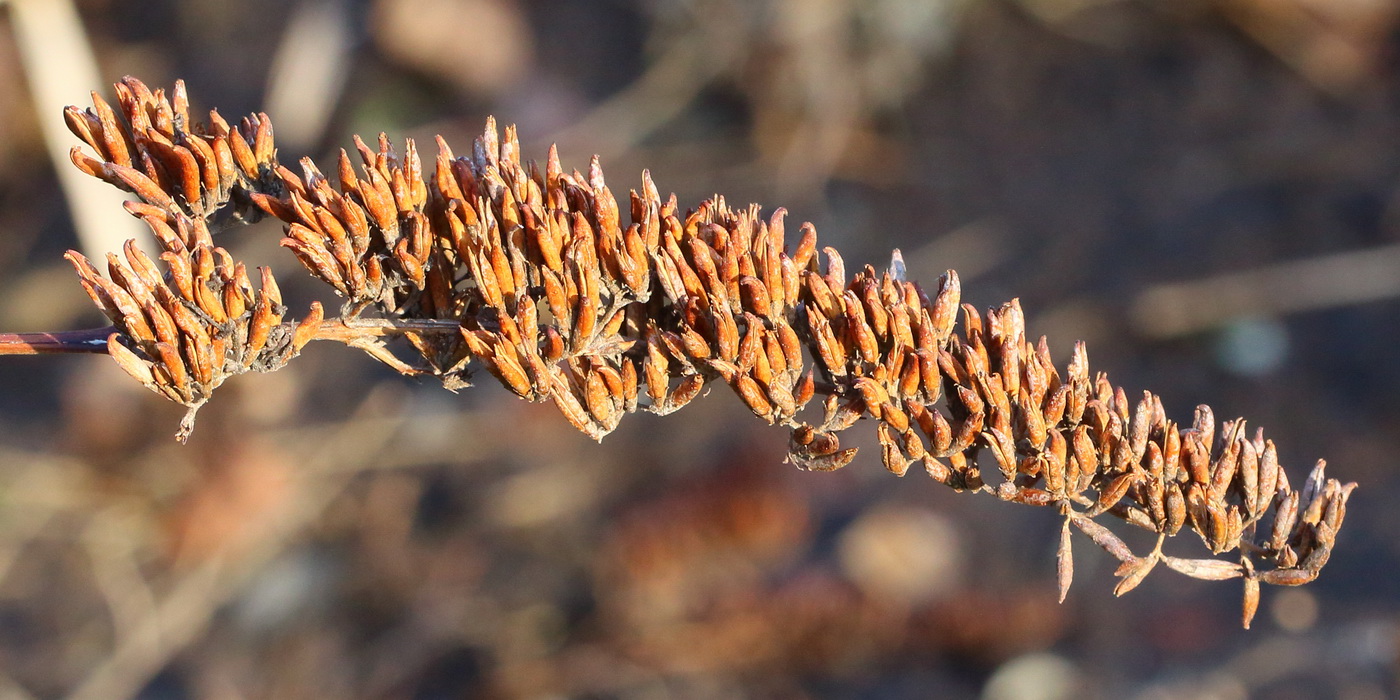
153 150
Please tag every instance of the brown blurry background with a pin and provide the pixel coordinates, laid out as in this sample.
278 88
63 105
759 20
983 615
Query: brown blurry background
1208 191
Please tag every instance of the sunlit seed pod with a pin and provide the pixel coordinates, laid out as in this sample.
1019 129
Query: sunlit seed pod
1030 419
1053 410
726 335
613 324
1196 507
804 390
161 323
308 327
94 167
114 144
1224 468
656 380
755 296
1308 507
272 206
213 191
946 303
773 357
1216 527
890 452
1113 492
139 369
909 376
573 411
1336 509
243 154
612 380
259 330
234 303
685 392
409 264
540 373
317 261
1005 453
1138 428
753 396
863 335
875 310
202 363
1204 424
1196 457
142 185
1155 504
85 125
1104 538
509 370
378 201
1176 509
939 471
830 351
871 392
180 163
585 321
924 417
224 160
263 148
629 384
693 345
1234 529
1269 471
165 386
171 361
895 416
1054 459
189 324
967 431
1133 572
819 295
1247 478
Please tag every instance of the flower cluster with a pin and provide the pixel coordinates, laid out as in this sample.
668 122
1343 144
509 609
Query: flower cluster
532 273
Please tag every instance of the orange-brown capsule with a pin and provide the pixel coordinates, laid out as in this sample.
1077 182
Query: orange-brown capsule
139 369
308 327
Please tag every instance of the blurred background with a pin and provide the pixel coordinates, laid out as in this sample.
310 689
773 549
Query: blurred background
1207 191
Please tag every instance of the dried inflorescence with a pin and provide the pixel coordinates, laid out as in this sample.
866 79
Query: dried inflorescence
532 273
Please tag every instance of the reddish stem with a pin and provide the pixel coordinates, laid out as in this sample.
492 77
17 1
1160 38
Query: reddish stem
93 340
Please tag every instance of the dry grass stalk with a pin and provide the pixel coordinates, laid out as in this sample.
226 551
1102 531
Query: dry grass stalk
532 273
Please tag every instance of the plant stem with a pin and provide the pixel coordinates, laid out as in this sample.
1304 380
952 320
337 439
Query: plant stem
94 340
85 341
343 331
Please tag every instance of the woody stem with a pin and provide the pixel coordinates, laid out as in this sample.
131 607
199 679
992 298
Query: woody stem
41 343
343 331
94 340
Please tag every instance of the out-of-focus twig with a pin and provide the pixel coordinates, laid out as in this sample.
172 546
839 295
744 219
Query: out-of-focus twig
181 614
309 71
1182 308
61 69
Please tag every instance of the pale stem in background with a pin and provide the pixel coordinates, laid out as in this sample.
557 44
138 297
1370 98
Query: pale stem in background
61 70
1183 308
309 72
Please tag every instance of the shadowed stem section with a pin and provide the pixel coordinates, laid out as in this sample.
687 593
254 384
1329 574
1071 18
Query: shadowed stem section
94 340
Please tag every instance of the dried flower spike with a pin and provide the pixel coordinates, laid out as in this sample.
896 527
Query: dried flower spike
604 306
